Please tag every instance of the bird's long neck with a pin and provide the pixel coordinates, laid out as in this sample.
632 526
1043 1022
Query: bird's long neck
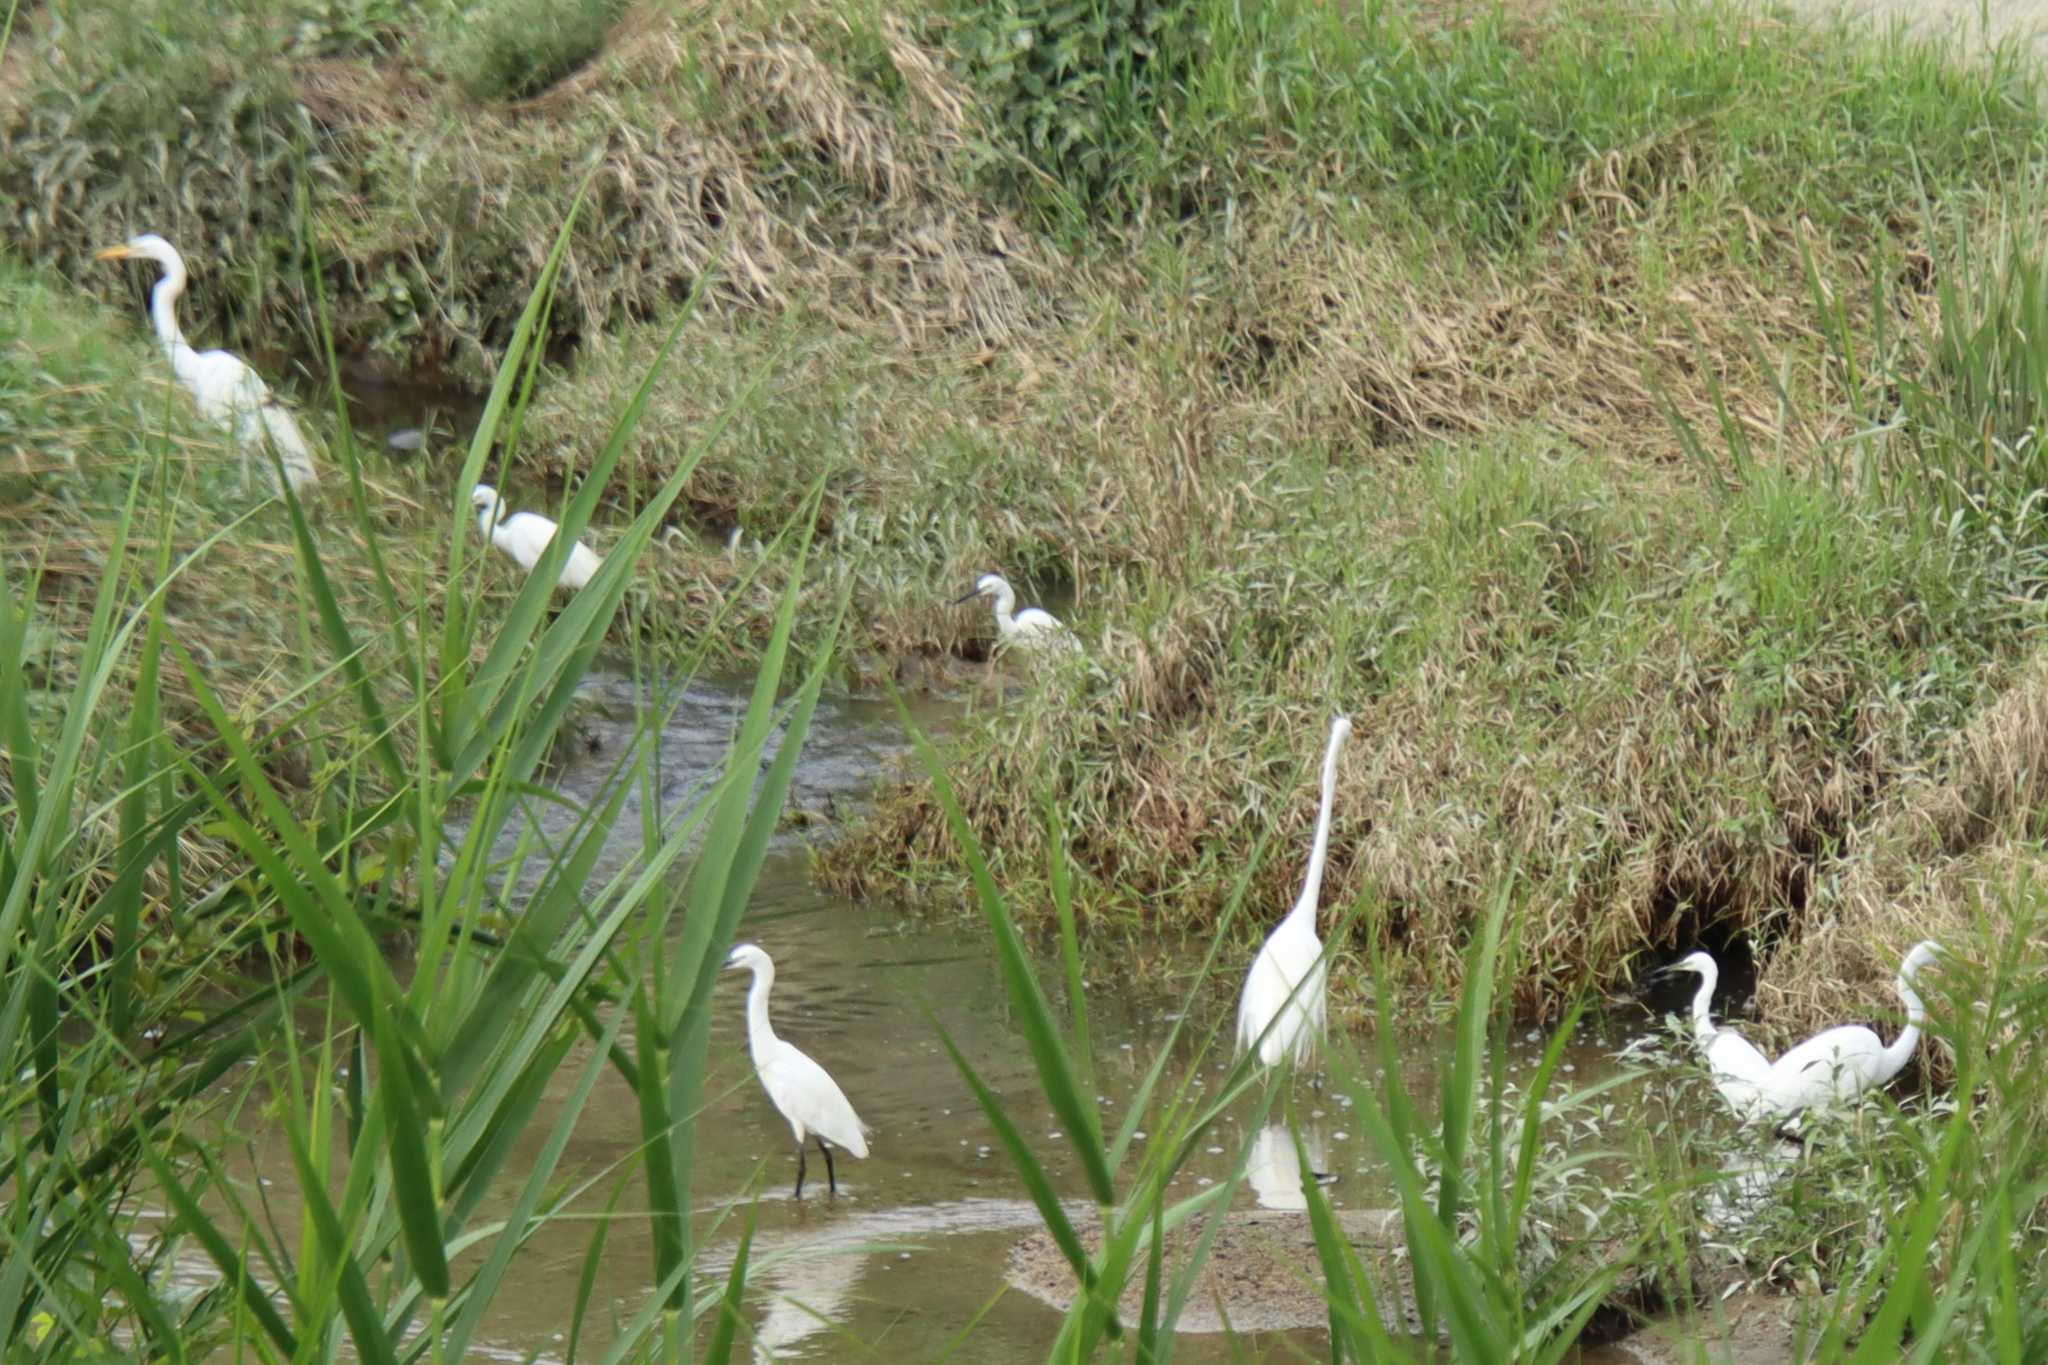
488 517
163 307
759 1034
1702 1001
1901 1050
1312 885
1006 604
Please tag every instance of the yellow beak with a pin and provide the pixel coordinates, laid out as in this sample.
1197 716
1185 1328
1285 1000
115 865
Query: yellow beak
114 253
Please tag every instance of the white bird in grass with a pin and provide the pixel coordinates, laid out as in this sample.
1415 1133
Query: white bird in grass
1831 1068
1281 1011
797 1086
1031 629
525 535
1739 1070
229 393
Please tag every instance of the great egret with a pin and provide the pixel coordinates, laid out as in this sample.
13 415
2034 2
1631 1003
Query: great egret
798 1087
1832 1067
1835 1066
1281 1011
229 393
524 535
1739 1070
1031 629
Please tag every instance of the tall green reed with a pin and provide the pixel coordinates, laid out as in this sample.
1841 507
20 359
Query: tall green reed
402 1113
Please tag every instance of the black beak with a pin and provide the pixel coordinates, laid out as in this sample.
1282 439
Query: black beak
968 598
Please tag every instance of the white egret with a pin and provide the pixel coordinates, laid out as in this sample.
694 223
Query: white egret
525 535
228 392
1032 628
1839 1064
1739 1070
1830 1068
1281 1011
798 1087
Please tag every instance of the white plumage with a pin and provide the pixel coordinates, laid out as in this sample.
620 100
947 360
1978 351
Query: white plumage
525 536
1831 1068
797 1086
228 392
1288 978
1739 1070
1030 629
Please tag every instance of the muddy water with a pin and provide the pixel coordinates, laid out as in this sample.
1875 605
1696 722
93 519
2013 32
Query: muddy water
917 1242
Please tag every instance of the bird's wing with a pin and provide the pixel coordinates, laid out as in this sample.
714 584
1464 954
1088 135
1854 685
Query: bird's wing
1288 958
1835 1063
1732 1054
804 1091
524 535
1042 627
224 387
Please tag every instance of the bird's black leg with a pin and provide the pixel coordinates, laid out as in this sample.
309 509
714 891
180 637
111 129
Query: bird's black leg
799 1169
831 1179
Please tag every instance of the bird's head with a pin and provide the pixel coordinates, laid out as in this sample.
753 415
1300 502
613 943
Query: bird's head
988 585
1340 729
148 247
749 955
1700 964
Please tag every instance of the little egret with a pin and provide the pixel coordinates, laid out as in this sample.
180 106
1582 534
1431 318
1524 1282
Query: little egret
1833 1067
1281 1012
524 535
229 393
1030 629
797 1086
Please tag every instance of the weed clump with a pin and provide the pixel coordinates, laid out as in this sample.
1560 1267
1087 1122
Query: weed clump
514 49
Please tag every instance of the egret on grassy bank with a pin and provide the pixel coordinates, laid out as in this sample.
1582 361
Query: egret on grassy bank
1032 628
1832 1067
797 1086
1281 1011
229 393
524 535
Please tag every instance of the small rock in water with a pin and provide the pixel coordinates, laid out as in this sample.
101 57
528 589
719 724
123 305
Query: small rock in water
406 439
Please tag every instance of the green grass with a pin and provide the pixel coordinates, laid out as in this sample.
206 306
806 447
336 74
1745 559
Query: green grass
1631 418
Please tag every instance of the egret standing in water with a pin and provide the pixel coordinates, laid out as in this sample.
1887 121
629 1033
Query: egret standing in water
525 535
229 393
1281 1012
797 1086
1833 1067
1032 628
1739 1070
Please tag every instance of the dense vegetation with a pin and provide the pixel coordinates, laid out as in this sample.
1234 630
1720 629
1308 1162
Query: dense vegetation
1631 416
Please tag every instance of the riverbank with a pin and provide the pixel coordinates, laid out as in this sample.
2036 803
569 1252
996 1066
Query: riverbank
1583 397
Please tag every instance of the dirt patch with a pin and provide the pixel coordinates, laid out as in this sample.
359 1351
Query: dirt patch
1262 1275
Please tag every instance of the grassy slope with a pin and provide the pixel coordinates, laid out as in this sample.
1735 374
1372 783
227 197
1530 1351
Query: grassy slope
1344 377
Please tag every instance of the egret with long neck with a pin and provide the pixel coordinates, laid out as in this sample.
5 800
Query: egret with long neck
798 1087
1831 1068
227 392
1282 1010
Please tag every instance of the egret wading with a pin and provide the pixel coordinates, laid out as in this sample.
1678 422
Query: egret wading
797 1086
1282 1009
1739 1070
525 535
228 392
1833 1067
1031 629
